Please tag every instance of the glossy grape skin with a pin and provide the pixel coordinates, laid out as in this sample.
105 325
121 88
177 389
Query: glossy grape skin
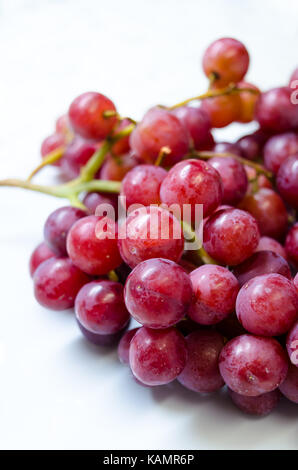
124 345
192 182
287 181
157 357
146 236
86 115
41 253
291 245
115 168
51 143
267 305
76 155
201 372
215 291
92 245
292 342
295 280
247 102
227 59
158 293
260 405
269 244
227 147
289 388
197 123
259 263
57 282
62 125
57 226
253 365
222 110
267 207
105 341
275 112
122 146
141 185
231 236
100 307
250 146
233 177
278 148
208 144
93 200
157 129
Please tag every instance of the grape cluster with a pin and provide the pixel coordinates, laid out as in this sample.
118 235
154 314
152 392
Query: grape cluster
224 314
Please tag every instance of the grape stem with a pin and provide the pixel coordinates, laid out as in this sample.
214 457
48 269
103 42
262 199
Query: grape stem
192 236
207 155
213 93
48 159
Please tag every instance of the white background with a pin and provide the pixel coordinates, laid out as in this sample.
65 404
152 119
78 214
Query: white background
57 391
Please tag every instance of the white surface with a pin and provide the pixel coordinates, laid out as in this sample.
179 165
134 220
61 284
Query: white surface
56 390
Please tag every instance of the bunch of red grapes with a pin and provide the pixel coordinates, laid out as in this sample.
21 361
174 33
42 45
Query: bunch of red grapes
226 314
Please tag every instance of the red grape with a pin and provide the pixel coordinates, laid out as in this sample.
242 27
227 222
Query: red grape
253 365
231 236
287 181
197 123
100 307
157 129
141 185
157 357
227 59
262 262
230 327
247 102
41 253
289 388
233 177
102 340
124 345
267 305
122 145
57 282
222 110
250 146
158 293
292 343
62 125
192 182
215 291
150 232
76 155
275 111
58 225
291 245
51 143
94 200
278 148
86 115
92 245
295 280
260 405
269 210
269 244
115 168
227 147
201 372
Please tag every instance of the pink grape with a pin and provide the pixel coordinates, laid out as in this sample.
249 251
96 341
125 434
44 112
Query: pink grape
192 182
157 357
260 405
275 111
259 263
196 122
92 245
292 343
93 200
250 146
291 245
51 143
269 244
231 236
115 168
227 147
201 372
215 291
100 307
267 305
289 387
57 282
124 345
253 365
150 232
278 148
157 129
158 293
287 181
105 341
76 155
233 177
141 185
